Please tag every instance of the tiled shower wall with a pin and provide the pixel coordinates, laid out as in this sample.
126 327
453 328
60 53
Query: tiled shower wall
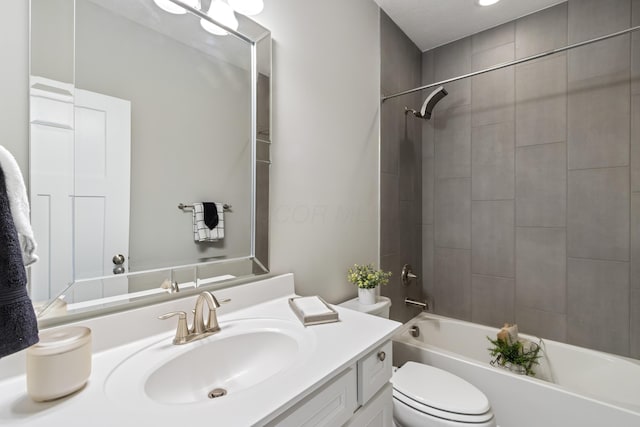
400 167
531 178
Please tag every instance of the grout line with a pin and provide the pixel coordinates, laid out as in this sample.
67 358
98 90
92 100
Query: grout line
630 269
566 185
519 147
596 259
599 167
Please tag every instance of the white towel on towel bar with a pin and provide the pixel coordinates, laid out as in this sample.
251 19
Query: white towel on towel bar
19 205
202 233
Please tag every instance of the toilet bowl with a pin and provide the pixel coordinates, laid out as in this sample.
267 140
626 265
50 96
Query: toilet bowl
425 396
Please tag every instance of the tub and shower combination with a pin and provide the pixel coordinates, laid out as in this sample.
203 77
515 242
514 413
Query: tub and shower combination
573 386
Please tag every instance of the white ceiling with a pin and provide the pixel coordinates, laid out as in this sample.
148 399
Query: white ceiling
431 23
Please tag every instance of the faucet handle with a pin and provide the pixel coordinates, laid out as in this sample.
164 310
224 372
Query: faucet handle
212 321
182 332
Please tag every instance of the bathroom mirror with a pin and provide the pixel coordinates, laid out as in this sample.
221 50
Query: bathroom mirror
135 115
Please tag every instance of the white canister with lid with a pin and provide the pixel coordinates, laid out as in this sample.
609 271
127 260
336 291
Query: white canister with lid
59 364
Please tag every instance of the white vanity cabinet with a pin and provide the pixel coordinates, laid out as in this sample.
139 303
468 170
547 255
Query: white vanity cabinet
357 396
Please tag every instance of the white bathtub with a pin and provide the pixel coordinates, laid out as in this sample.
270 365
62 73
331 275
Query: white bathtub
573 386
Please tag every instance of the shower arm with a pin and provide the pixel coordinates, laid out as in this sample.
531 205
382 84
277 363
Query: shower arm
511 63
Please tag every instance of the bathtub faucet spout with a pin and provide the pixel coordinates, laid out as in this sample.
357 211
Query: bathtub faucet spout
423 305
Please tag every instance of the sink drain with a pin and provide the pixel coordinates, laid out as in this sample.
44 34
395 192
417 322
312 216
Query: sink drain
216 392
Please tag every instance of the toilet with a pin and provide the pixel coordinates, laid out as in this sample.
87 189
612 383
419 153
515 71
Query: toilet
425 396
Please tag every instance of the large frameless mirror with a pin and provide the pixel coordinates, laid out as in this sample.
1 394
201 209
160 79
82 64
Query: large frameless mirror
144 125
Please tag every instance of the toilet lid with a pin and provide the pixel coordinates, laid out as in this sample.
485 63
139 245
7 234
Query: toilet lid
439 389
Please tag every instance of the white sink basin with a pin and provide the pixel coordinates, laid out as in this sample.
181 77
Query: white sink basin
244 354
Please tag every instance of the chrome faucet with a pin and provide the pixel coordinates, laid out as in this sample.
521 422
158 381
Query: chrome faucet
198 329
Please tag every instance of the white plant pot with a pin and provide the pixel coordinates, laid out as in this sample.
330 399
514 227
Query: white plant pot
367 296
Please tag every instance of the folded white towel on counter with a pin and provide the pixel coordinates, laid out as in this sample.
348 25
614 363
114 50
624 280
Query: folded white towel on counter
313 310
19 205
202 233
312 306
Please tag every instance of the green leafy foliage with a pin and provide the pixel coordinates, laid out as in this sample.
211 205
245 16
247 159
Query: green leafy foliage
367 277
507 355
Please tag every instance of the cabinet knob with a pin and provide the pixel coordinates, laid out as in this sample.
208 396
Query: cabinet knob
381 356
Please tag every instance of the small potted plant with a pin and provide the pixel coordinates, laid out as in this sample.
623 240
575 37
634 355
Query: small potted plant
367 278
515 354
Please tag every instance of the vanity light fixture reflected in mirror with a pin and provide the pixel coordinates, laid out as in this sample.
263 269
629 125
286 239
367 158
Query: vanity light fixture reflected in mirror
222 11
171 7
487 2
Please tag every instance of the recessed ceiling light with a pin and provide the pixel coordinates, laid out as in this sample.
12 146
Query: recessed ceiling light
487 2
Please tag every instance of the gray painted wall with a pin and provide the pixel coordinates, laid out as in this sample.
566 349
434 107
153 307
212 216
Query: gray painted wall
401 163
531 215
324 182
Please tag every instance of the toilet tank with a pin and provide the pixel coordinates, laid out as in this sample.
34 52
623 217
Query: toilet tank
380 308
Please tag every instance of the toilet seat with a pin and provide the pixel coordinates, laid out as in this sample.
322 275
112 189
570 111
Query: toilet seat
440 394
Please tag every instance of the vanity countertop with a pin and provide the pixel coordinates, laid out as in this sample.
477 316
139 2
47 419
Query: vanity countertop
335 347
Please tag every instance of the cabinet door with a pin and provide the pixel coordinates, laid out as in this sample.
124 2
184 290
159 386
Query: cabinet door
378 412
374 371
332 405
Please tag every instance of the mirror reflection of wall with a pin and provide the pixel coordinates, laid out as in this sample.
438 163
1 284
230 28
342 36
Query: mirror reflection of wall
190 135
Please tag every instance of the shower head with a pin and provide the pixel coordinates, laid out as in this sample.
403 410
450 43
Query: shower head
429 103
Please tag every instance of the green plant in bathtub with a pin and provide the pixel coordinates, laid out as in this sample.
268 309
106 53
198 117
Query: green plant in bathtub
367 276
515 355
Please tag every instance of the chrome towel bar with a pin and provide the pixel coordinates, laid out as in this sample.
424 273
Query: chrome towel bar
182 206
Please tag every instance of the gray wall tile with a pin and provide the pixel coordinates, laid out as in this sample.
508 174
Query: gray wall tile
492 301
542 324
493 94
428 190
453 213
593 18
613 58
492 160
493 37
634 332
401 58
410 159
451 60
410 236
598 123
635 143
452 285
395 290
598 214
541 101
428 66
598 305
389 214
492 238
541 190
541 268
401 165
494 56
453 143
428 139
392 118
428 250
635 241
542 31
